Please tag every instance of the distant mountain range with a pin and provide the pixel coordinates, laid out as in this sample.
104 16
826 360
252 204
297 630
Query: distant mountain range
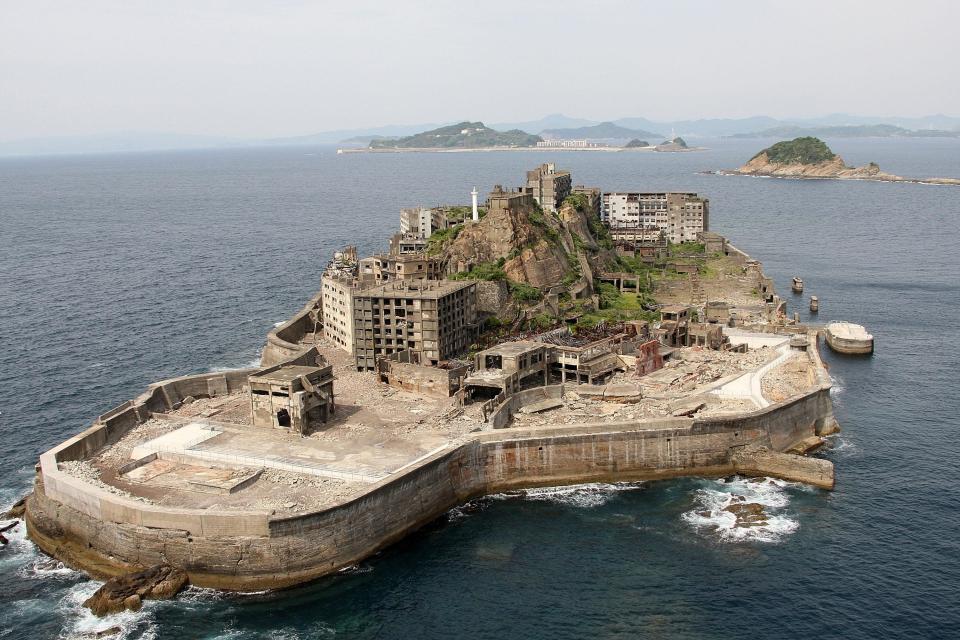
602 131
554 125
851 131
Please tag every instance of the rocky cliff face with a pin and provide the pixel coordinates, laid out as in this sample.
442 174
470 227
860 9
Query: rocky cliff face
761 165
809 157
539 249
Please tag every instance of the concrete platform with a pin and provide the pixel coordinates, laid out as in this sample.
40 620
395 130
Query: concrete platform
188 477
364 460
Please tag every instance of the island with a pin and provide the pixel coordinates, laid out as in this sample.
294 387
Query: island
809 157
676 144
460 136
637 143
552 334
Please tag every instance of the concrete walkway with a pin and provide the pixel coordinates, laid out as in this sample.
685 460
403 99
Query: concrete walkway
748 386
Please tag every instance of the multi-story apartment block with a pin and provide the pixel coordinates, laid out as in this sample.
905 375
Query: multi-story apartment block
432 320
421 222
338 284
549 186
682 216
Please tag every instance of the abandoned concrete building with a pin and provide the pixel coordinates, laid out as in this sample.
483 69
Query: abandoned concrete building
509 367
441 381
674 324
338 284
388 267
421 222
549 186
432 319
682 216
294 397
713 243
501 199
717 312
402 243
703 334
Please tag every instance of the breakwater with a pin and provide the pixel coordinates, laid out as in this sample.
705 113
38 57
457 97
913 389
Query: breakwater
106 534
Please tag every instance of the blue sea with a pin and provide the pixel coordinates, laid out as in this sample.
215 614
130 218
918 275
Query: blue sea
119 270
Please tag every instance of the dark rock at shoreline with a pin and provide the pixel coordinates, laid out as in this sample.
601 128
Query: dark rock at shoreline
159 582
16 511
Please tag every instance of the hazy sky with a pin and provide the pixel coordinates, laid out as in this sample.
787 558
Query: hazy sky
244 68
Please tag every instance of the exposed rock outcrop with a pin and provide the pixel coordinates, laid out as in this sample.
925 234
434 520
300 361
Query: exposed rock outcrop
539 249
777 163
159 582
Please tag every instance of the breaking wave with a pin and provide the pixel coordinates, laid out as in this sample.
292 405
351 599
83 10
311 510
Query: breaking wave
589 495
80 622
710 513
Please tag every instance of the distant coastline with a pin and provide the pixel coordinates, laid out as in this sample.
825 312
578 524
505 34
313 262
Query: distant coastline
345 150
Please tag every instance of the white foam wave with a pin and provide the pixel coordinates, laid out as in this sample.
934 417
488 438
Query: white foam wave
252 364
710 514
81 623
842 446
588 495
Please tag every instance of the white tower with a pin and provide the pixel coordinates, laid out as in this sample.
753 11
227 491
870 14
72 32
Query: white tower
476 214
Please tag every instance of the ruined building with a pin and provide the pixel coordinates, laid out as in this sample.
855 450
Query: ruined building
549 186
432 319
421 222
682 216
338 284
383 267
294 397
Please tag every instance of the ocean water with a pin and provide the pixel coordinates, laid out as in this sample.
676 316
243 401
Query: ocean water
116 271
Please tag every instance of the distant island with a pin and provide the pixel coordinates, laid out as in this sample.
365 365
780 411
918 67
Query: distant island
602 131
676 144
849 131
636 143
463 135
810 157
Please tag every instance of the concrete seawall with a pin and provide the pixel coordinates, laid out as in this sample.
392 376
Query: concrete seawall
285 341
106 534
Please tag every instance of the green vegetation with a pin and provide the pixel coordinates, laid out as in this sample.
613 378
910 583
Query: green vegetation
463 135
806 150
636 143
686 249
484 271
523 292
578 201
439 239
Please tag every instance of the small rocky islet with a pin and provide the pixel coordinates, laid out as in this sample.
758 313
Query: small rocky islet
810 158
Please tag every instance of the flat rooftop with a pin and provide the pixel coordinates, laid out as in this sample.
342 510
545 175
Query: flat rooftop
511 349
285 374
429 289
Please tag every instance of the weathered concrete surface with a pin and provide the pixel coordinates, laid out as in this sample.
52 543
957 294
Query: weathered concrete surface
757 460
301 547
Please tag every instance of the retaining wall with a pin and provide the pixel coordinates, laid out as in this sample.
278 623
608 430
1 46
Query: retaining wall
284 342
106 534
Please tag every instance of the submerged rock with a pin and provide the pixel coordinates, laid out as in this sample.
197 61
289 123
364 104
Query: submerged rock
748 514
159 582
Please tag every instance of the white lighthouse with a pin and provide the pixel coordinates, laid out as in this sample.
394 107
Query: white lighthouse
476 214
